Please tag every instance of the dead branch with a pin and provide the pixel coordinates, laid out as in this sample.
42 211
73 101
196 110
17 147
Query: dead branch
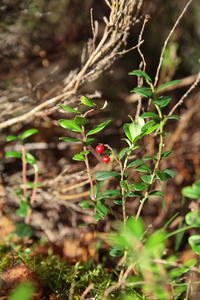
122 17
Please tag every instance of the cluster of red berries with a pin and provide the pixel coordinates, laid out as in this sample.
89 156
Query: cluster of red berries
100 149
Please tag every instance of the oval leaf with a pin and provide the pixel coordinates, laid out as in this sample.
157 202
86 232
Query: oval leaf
163 86
142 74
12 138
79 157
111 193
28 133
67 139
13 154
103 175
102 209
70 125
99 127
69 109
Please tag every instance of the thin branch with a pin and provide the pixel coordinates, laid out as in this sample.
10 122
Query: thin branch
166 42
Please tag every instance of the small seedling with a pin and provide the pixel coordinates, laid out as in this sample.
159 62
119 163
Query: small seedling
27 201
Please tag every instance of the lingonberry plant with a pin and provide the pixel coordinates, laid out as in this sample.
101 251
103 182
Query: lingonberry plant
27 199
141 252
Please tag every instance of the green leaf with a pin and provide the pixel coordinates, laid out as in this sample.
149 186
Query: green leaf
135 162
80 120
134 194
98 217
117 201
149 157
143 168
70 125
127 131
11 138
115 252
85 152
135 130
102 209
85 204
13 154
163 86
30 158
141 74
192 191
23 210
194 242
156 194
172 117
84 224
165 154
28 133
68 139
89 141
111 193
146 92
86 101
99 127
161 175
162 101
69 109
152 115
146 178
193 218
151 129
169 173
140 186
95 190
78 157
123 152
124 186
23 230
103 175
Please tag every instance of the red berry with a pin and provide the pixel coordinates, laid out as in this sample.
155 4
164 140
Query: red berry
99 149
105 159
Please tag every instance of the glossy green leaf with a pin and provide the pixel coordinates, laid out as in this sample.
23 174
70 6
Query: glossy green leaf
123 152
124 186
165 154
11 138
13 154
172 117
134 194
102 209
146 92
141 74
161 175
146 178
68 139
111 193
193 218
152 115
127 131
151 129
163 86
162 101
156 194
78 157
147 157
115 252
28 133
80 120
86 101
135 162
89 141
99 127
169 173
135 130
85 152
143 168
70 125
103 175
140 186
194 242
69 109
